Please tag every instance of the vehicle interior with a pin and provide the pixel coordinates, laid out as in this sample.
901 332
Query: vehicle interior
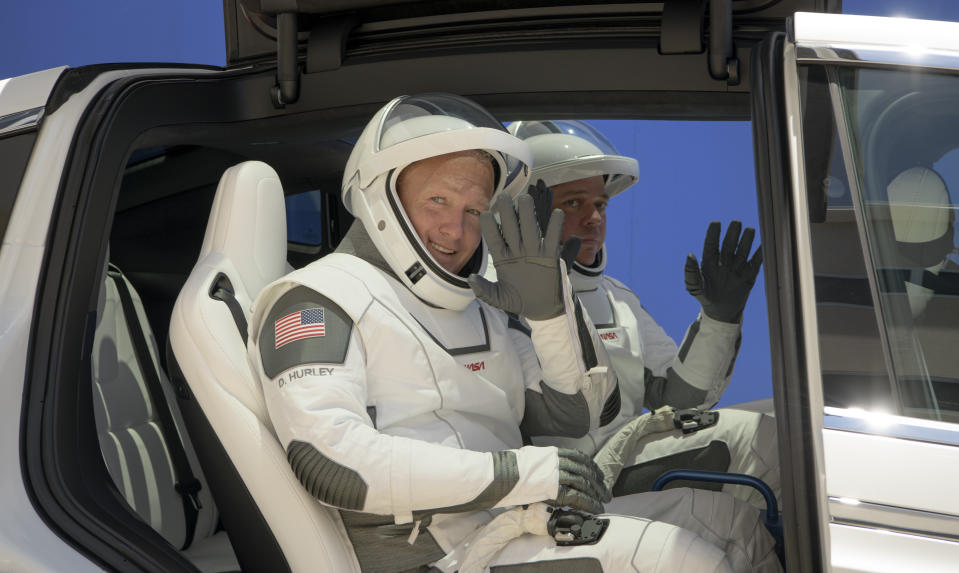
133 467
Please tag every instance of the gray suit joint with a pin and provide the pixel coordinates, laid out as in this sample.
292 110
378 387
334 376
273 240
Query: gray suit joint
671 390
326 480
552 413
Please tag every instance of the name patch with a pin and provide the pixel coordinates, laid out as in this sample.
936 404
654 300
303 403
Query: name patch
299 373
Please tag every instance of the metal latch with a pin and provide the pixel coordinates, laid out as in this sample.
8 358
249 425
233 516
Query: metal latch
692 420
571 527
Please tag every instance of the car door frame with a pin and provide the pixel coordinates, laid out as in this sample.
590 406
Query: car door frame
826 529
794 352
63 469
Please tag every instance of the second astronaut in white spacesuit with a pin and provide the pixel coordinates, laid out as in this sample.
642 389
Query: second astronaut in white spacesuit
400 397
585 172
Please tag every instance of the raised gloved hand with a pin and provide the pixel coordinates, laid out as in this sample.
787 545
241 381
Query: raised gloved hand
580 483
526 259
723 282
543 203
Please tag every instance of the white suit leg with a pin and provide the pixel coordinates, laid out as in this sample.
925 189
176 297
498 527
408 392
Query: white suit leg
749 437
629 544
730 524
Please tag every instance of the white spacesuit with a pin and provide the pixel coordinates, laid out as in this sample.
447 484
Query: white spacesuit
653 372
400 397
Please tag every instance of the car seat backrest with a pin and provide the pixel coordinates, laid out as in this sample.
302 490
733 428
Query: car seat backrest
245 244
141 433
274 523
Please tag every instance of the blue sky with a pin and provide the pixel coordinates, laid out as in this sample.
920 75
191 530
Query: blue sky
667 212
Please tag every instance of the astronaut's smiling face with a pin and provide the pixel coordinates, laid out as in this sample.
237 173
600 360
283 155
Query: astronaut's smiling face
443 197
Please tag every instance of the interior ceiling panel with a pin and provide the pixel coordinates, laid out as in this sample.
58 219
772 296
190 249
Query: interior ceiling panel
251 24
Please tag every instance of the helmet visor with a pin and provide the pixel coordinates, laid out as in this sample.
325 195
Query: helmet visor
527 129
566 150
414 117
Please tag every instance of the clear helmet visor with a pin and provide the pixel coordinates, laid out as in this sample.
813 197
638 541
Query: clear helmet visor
579 129
567 150
438 123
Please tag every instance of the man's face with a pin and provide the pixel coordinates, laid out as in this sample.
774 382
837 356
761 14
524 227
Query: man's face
443 197
584 203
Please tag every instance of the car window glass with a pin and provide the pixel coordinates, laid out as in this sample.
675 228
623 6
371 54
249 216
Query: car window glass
304 218
884 245
14 153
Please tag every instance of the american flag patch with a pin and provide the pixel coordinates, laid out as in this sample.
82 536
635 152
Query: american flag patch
298 325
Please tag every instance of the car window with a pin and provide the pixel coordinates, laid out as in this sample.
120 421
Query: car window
883 187
304 218
14 153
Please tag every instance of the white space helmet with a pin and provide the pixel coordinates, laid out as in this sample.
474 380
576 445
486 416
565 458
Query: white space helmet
410 129
566 150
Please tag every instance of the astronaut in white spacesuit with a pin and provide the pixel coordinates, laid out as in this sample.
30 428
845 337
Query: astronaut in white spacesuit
400 396
585 172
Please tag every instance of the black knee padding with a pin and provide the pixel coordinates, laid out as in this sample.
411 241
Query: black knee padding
639 478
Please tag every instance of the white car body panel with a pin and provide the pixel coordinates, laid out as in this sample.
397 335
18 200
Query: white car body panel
28 91
26 542
838 30
860 549
903 473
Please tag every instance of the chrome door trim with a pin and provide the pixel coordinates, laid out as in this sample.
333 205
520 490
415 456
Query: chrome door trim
888 425
885 55
20 121
846 511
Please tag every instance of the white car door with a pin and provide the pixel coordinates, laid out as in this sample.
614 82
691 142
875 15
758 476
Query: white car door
44 118
23 102
857 141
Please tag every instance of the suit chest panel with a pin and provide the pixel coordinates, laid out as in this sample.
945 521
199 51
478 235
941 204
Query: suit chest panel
457 364
618 328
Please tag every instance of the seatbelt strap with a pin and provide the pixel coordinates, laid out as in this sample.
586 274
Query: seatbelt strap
222 290
187 485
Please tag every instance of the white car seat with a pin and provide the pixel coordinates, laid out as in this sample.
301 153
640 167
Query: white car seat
273 522
144 446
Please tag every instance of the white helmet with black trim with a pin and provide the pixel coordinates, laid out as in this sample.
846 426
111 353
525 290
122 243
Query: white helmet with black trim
567 150
406 130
